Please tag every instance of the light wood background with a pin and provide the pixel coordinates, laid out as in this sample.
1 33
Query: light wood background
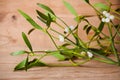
11 26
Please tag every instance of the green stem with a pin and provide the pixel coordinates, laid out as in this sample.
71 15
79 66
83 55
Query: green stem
62 21
74 64
78 63
59 25
105 61
95 27
115 12
42 56
52 40
102 56
117 30
63 36
71 32
97 12
60 65
112 44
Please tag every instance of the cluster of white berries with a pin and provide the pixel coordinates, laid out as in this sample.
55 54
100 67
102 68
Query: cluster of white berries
89 54
61 38
107 17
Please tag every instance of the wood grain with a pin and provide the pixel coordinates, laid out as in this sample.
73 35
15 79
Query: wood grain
90 71
11 26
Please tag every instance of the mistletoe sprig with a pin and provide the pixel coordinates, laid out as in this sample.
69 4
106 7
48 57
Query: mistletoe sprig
74 49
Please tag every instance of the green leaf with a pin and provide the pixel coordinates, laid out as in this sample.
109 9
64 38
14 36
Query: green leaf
30 20
87 1
49 20
44 21
70 8
105 61
102 56
26 63
85 27
88 29
53 17
58 55
101 6
63 46
100 28
21 65
27 41
30 31
18 53
43 16
46 8
35 62
67 53
118 10
79 18
99 51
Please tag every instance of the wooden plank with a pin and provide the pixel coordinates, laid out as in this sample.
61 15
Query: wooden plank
11 26
90 71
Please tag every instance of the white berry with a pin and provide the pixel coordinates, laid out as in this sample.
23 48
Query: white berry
107 20
111 17
90 55
61 38
103 19
104 12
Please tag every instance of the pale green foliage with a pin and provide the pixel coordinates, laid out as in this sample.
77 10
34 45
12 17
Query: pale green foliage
72 49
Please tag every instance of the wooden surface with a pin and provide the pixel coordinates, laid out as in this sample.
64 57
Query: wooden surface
11 26
90 71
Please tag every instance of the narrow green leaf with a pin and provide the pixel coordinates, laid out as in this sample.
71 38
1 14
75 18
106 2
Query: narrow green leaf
30 20
79 18
44 21
26 63
18 53
43 16
35 62
20 66
105 61
67 53
70 8
49 20
87 1
101 6
64 45
53 17
118 10
46 8
85 27
88 30
30 31
58 55
102 56
100 28
27 41
99 51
